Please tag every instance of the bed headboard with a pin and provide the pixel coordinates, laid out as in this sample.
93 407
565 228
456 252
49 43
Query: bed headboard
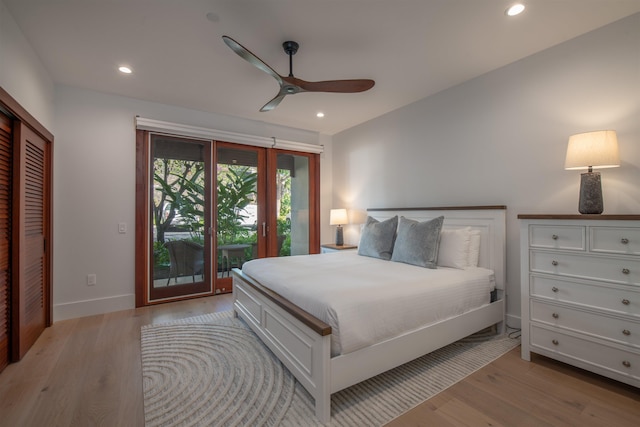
490 220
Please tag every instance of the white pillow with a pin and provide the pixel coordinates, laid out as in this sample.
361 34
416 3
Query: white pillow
474 249
454 248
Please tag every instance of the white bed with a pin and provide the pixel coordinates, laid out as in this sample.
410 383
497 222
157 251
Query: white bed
300 330
366 300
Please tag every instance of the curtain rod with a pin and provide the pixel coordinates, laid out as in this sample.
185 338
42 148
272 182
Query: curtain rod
178 129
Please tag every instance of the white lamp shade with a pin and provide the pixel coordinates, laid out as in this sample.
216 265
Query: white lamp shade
338 217
597 149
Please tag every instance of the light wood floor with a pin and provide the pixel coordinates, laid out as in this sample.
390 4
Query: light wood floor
87 372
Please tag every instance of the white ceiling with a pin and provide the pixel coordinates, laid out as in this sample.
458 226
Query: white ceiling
411 48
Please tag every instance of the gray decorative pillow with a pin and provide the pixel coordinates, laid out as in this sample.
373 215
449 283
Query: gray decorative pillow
417 242
377 238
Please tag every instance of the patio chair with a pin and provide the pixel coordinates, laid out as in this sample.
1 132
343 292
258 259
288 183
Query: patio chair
186 259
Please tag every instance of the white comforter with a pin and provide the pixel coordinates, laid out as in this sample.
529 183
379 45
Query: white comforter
367 300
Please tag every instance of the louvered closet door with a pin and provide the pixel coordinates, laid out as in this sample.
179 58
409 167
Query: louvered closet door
5 237
31 309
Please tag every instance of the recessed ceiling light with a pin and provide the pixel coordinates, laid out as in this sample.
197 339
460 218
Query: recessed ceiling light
125 70
515 9
320 114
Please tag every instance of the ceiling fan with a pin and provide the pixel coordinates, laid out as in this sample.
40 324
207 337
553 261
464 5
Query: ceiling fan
290 85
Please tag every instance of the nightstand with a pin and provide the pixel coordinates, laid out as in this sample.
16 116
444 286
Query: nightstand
332 247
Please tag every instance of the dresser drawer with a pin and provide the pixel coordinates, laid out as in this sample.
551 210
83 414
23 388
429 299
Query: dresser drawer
623 364
602 297
615 240
558 237
610 269
622 331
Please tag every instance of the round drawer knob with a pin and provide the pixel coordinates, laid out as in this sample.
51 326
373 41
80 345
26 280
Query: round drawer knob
625 301
554 263
554 237
624 241
554 289
625 271
554 342
626 364
626 332
555 315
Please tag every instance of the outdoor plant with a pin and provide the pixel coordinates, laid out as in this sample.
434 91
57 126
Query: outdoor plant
236 190
179 203
179 191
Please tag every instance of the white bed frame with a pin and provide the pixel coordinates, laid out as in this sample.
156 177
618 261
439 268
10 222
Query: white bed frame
302 342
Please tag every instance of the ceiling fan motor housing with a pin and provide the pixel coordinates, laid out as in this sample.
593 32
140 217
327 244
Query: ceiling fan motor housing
290 47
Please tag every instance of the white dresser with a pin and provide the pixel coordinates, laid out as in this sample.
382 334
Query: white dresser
580 279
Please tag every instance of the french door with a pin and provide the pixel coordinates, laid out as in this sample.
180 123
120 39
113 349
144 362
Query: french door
180 209
240 208
293 203
266 204
211 206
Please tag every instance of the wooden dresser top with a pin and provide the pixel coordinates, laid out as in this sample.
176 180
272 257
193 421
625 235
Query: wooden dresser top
629 217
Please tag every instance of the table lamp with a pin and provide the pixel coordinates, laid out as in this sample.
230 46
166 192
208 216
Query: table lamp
598 149
338 217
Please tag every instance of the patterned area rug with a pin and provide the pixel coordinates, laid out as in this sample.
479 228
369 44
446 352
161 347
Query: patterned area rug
212 370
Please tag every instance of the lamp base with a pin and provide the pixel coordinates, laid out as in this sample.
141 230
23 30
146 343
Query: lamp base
339 236
590 194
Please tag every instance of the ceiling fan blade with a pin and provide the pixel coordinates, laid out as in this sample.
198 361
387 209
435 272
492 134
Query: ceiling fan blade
273 103
250 57
343 86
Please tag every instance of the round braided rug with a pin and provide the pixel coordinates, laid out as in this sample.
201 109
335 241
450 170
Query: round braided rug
212 370
198 373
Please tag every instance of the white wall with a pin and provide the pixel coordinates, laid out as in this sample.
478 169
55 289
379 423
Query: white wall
22 74
94 190
327 232
501 139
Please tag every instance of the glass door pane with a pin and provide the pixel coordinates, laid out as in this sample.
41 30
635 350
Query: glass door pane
240 229
180 217
292 204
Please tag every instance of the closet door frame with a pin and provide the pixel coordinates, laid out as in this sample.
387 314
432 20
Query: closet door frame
21 117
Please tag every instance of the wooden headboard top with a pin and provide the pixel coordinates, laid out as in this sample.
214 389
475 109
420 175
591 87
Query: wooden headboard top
489 220
440 208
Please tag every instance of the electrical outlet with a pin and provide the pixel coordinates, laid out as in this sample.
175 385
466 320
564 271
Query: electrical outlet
91 280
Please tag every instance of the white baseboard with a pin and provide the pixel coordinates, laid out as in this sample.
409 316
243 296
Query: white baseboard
72 310
514 321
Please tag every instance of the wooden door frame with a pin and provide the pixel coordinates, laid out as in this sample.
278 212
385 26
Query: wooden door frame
143 224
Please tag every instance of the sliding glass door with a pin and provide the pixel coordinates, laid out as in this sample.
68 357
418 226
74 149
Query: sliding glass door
264 206
240 201
180 211
290 203
207 207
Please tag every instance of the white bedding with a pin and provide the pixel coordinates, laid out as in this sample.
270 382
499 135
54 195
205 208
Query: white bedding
367 300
